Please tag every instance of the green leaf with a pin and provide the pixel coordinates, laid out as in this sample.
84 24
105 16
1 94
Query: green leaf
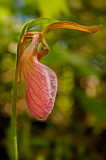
53 8
79 62
95 106
36 22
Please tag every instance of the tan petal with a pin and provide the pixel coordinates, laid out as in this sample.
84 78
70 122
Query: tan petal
22 55
70 25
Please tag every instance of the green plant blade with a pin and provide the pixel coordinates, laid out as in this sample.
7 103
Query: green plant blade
95 106
36 22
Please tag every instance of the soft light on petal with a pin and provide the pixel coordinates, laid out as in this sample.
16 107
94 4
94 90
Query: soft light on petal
70 25
40 81
41 88
22 55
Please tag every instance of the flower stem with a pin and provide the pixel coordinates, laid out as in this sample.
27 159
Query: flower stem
13 119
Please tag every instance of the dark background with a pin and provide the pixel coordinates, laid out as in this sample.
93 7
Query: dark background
76 128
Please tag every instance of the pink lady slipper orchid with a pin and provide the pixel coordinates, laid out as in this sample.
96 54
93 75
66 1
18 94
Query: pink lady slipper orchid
40 81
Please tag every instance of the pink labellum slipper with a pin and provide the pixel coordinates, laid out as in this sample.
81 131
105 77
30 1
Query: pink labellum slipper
40 81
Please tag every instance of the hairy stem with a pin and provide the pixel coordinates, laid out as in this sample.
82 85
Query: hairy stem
13 119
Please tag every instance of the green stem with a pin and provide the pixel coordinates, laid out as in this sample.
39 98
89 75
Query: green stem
13 119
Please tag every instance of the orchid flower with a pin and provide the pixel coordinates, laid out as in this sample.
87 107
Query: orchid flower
40 81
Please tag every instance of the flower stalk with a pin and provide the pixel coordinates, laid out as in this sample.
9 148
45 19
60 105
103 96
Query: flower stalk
13 119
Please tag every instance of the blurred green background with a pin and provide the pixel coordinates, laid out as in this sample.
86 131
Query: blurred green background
76 128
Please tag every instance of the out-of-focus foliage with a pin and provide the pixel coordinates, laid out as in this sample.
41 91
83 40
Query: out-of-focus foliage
76 128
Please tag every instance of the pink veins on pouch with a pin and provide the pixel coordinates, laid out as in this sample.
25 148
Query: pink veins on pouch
40 83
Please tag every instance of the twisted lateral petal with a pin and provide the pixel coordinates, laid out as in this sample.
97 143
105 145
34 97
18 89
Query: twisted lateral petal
24 56
41 88
70 25
24 40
